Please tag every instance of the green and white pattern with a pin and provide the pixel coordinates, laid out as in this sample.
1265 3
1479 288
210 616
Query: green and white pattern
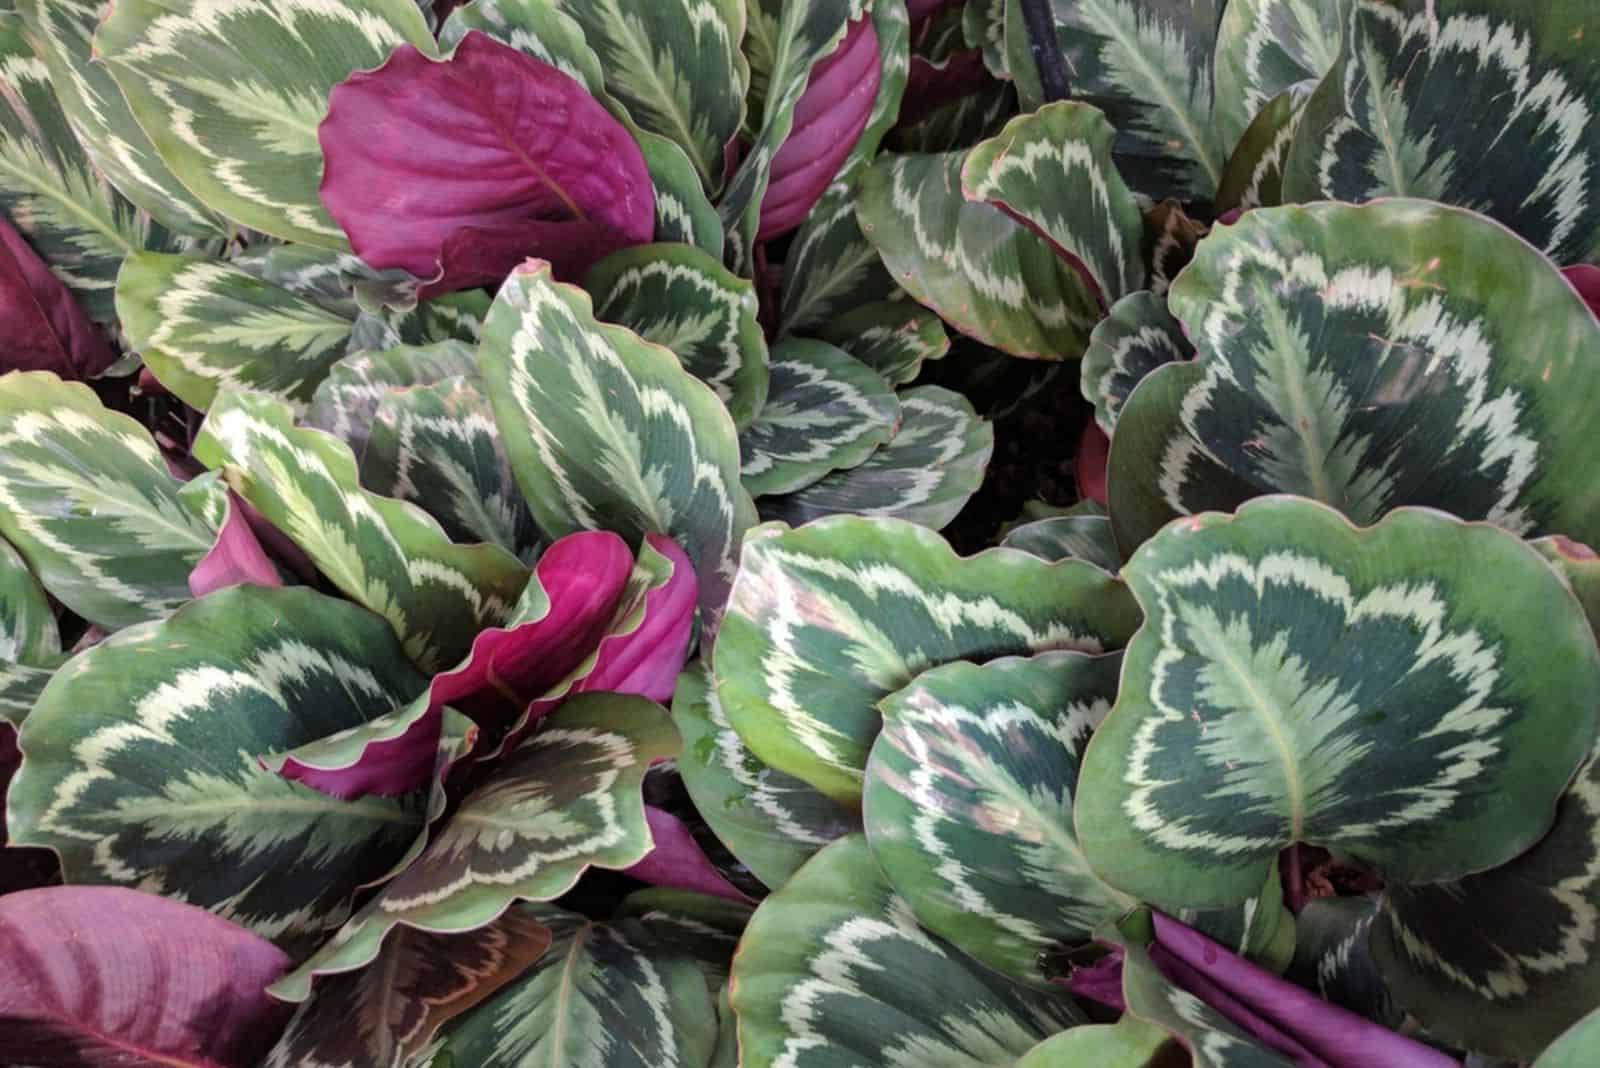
1333 958
984 274
20 687
680 297
347 401
1253 177
831 268
231 93
386 554
1267 47
1068 537
825 411
926 473
703 928
608 432
28 631
968 805
802 661
87 500
836 952
142 763
1399 694
1137 335
770 821
893 337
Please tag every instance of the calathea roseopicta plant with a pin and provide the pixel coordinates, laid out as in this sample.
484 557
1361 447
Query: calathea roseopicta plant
541 604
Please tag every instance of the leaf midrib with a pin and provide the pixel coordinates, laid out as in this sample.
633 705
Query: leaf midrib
1272 723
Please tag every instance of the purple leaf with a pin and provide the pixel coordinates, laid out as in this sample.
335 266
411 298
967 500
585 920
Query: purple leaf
1089 467
457 171
828 122
677 861
237 558
44 327
1585 278
931 86
102 976
921 9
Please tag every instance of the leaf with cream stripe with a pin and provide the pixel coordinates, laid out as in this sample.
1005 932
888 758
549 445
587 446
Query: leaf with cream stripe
1253 177
28 631
1137 335
1265 47
1398 694
804 657
347 401
142 763
893 337
1068 537
831 267
385 554
231 93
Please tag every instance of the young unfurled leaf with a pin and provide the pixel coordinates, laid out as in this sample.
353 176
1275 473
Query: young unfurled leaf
1069 537
675 861
236 559
1266 48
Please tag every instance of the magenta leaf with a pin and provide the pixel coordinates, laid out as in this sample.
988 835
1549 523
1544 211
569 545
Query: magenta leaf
1585 278
677 861
1089 467
457 171
101 976
237 558
828 122
44 328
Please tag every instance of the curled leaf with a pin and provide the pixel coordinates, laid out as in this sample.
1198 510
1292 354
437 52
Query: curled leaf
236 559
677 861
44 326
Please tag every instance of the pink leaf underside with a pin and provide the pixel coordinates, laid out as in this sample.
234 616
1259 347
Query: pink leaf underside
828 122
44 327
677 861
1094 449
100 976
1585 278
237 559
459 170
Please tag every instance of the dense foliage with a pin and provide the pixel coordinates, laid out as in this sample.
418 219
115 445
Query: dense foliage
799 533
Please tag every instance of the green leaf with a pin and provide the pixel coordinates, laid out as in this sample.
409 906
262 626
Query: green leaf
28 631
232 94
1068 537
703 928
1402 113
801 665
960 124
1254 175
1137 335
831 267
608 432
771 822
387 555
682 298
1576 1048
834 971
1398 353
1051 171
567 798
438 447
87 500
891 22
1267 47
1334 960
926 473
1128 1043
20 687
983 273
825 411
205 325
1398 694
893 337
983 25
605 994
347 401
61 33
142 765
683 212
968 803
74 219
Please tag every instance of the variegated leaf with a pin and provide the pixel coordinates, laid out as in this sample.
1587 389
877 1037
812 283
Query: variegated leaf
1069 537
205 325
607 431
893 337
142 770
986 275
891 23
1399 353
28 631
567 798
836 953
1333 958
831 268
87 500
1267 47
438 447
71 216
1484 104
347 401
1576 1048
801 663
606 995
683 212
703 928
1051 170
1399 694
983 26
770 821
968 805
385 554
1148 65
926 473
61 33
960 124
1138 335
388 1011
825 411
1170 238
682 298
231 93
1253 177
1502 962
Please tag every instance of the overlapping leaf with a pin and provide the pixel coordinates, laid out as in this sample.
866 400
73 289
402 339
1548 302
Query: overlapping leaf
385 554
1138 335
1253 177
703 928
1069 537
893 337
835 952
825 411
28 632
801 666
926 473
831 267
46 329
87 500
347 401
607 431
1333 958
142 766
1266 47
1576 1047
1399 694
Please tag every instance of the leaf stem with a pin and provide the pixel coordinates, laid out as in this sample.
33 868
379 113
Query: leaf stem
1039 21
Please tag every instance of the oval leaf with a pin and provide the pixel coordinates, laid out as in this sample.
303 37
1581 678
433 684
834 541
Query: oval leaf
1136 336
1266 47
347 401
893 338
831 267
